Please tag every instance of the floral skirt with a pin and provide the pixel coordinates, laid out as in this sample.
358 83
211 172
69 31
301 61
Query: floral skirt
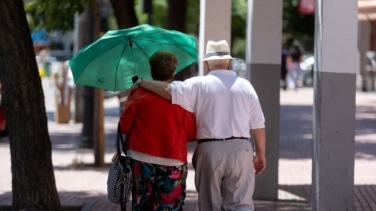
158 187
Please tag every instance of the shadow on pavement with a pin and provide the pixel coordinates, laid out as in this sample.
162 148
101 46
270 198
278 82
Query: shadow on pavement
296 132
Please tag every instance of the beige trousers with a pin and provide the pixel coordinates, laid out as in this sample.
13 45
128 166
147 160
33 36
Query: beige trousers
224 175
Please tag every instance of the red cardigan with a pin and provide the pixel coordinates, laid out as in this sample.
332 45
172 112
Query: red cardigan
156 127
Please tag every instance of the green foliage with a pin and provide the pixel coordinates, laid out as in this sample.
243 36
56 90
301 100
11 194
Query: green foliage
142 17
53 14
239 18
193 17
112 24
159 15
297 25
238 27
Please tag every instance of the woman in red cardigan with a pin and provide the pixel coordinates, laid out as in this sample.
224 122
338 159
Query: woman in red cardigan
157 135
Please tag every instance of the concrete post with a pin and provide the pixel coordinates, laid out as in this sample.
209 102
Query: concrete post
263 58
215 24
334 105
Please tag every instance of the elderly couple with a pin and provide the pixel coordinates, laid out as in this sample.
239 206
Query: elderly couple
220 111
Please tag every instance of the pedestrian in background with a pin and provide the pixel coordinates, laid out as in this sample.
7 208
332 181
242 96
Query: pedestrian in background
293 61
285 53
226 108
157 135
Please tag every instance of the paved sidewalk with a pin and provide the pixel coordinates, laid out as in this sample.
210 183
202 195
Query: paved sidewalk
79 184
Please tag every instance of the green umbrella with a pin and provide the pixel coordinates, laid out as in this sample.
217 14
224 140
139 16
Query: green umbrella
112 60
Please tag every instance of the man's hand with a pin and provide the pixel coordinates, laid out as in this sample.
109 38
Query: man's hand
259 164
259 160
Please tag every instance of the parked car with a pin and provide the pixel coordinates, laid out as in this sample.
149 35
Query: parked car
307 65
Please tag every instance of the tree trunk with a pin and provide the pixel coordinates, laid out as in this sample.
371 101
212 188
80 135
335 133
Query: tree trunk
177 15
33 180
124 13
99 137
176 20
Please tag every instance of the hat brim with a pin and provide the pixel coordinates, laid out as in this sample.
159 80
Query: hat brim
217 58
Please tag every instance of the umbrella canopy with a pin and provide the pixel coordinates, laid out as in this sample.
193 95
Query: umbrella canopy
112 60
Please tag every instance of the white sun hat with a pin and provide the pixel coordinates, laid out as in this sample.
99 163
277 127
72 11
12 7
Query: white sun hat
217 50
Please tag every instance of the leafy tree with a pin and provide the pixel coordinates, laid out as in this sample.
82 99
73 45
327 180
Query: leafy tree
54 14
59 14
47 14
33 181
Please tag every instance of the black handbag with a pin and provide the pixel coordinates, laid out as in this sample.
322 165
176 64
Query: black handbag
119 181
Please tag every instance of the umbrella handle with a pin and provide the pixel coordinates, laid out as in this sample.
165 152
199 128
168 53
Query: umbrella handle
134 79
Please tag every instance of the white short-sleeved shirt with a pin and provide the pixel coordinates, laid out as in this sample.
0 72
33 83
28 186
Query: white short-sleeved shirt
224 105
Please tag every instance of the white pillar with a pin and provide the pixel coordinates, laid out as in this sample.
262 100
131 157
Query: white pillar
334 105
263 58
215 24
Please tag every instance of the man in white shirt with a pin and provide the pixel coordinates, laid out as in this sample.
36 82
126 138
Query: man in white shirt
226 108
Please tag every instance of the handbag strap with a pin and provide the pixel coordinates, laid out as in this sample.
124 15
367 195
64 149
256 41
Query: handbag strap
120 141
